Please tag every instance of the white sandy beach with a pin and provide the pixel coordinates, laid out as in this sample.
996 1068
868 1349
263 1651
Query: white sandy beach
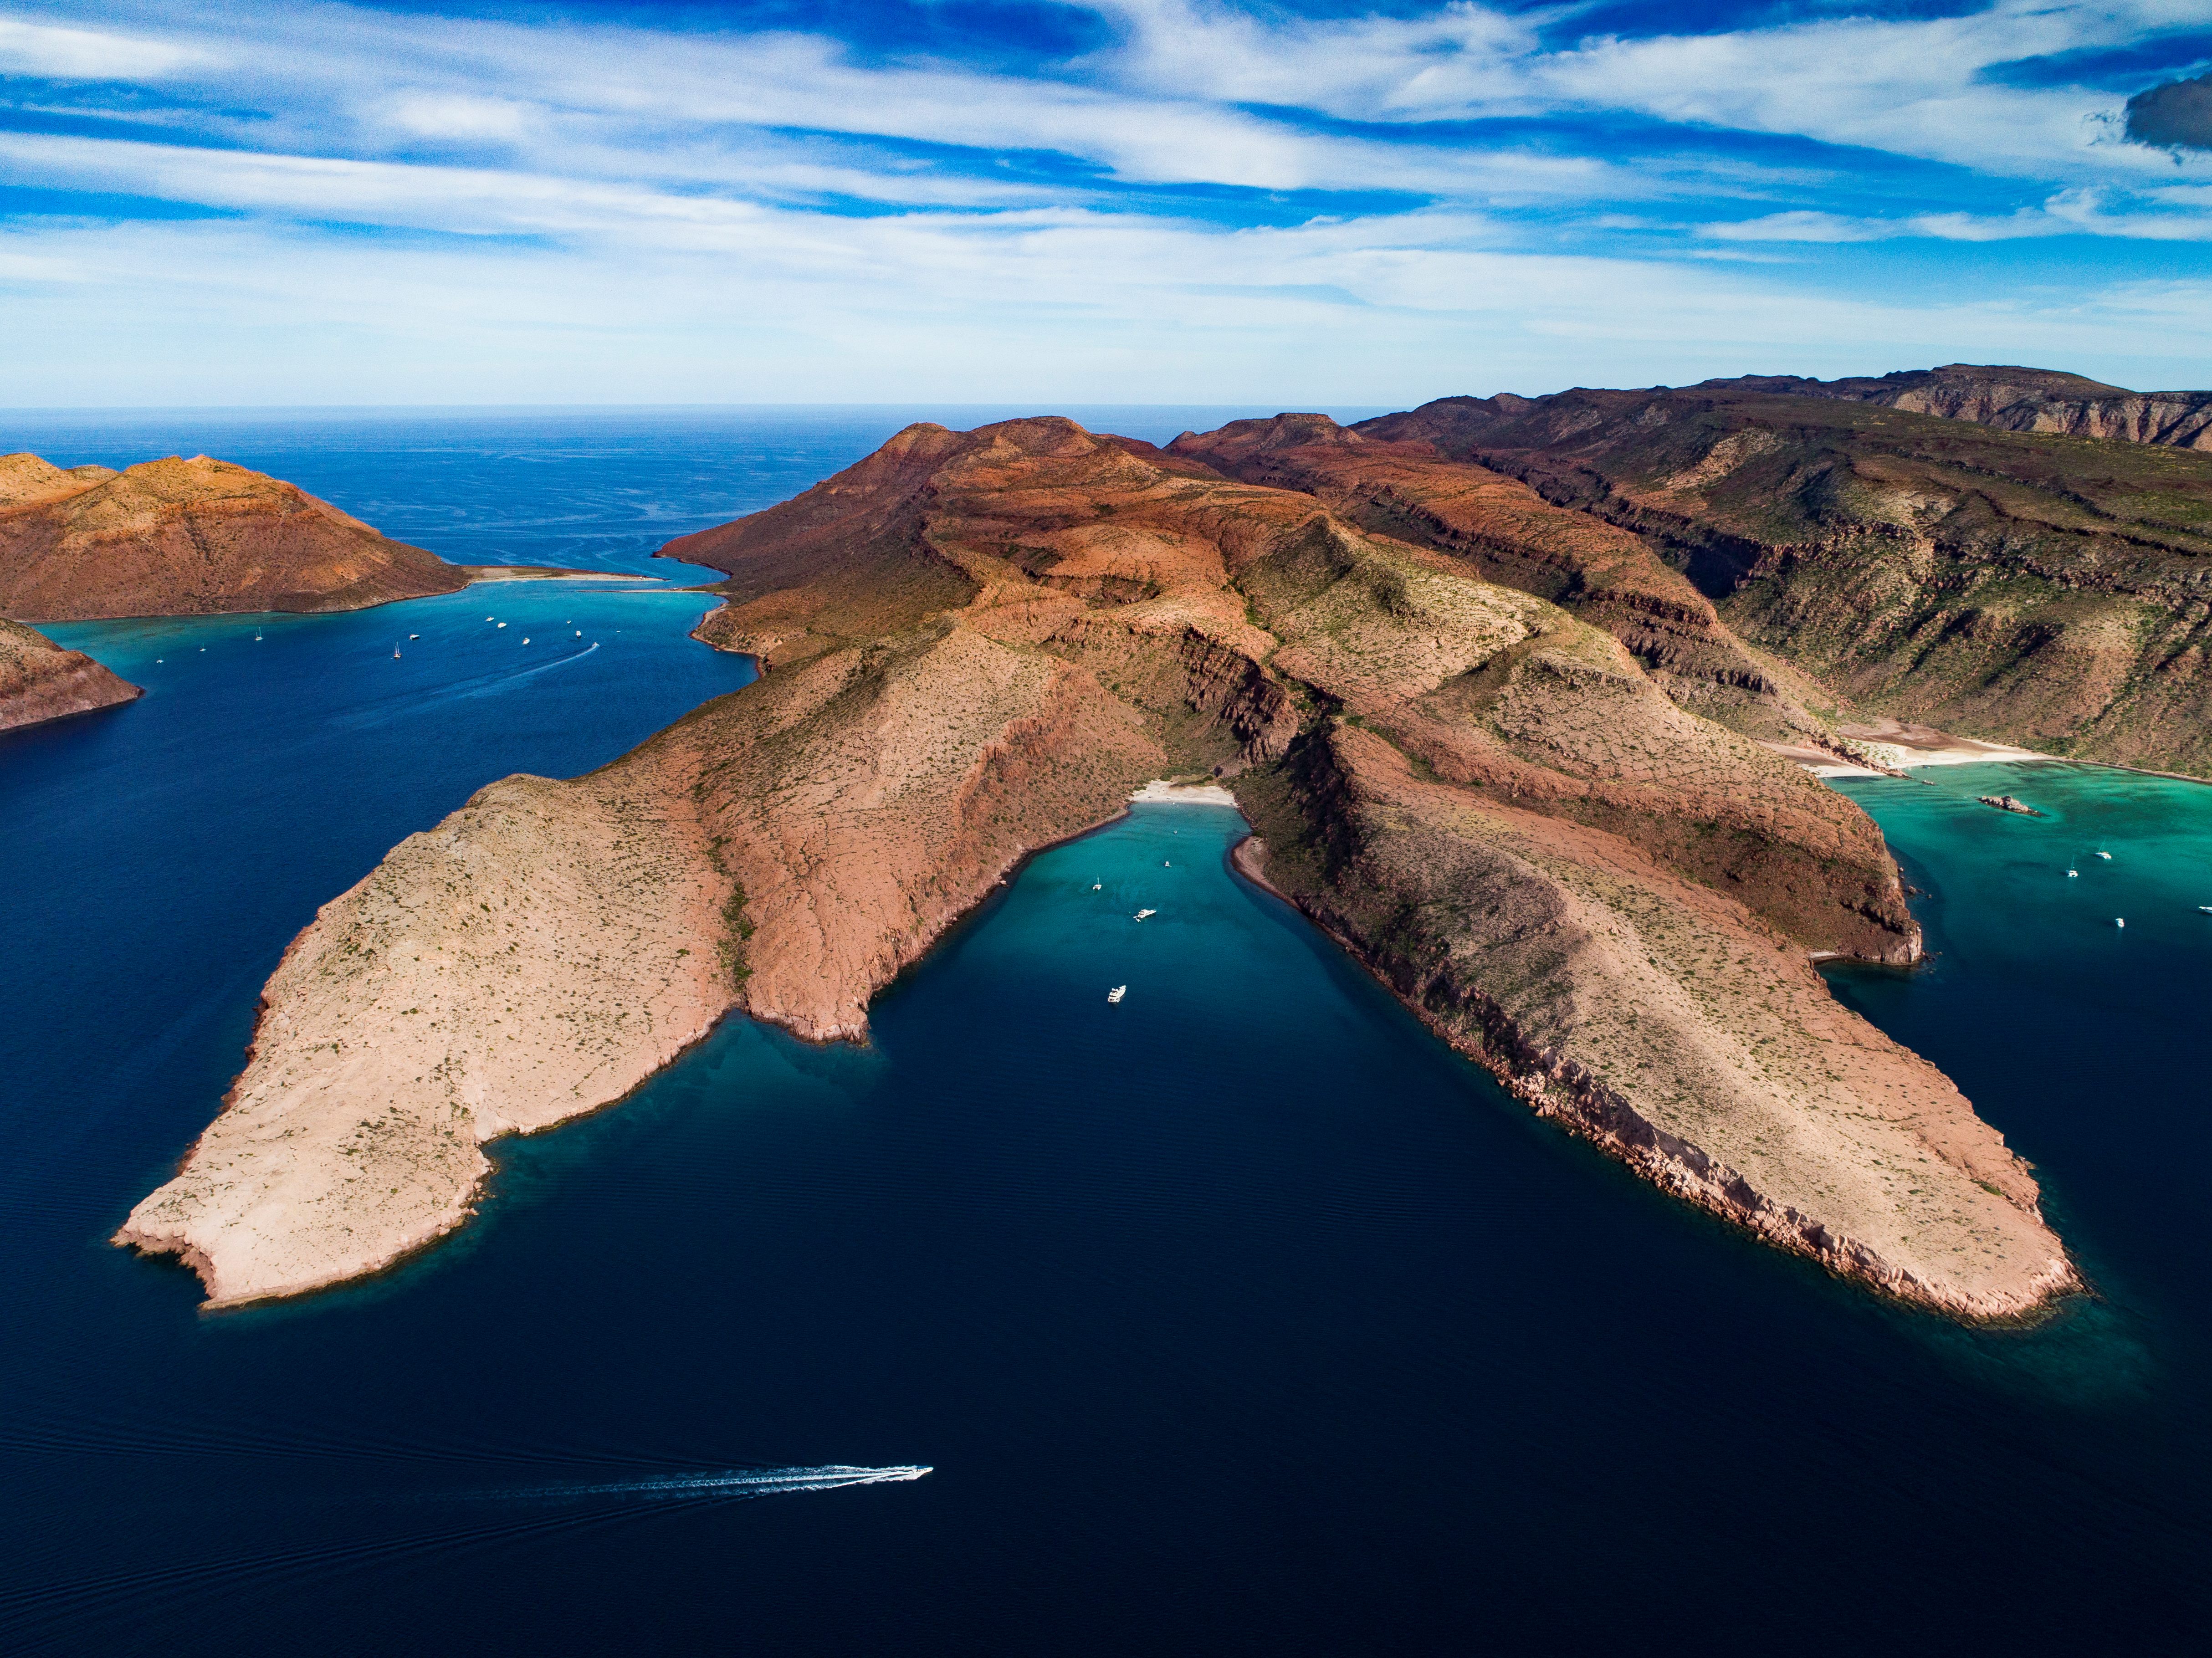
1160 791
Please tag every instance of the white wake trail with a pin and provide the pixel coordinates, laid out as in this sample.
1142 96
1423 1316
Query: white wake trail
742 1483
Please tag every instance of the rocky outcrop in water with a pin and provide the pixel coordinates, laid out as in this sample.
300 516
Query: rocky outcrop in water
40 681
190 537
979 643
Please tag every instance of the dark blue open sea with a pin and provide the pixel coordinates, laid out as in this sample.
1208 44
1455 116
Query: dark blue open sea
1241 1317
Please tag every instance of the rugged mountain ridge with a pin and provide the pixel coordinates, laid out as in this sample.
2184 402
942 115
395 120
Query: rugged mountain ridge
40 681
2044 590
2015 399
1509 534
193 537
982 642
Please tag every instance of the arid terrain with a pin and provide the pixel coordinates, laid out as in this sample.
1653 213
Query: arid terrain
2046 591
2020 400
978 643
39 680
190 537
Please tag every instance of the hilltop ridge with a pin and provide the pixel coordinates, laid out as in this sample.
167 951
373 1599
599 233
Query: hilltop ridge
193 537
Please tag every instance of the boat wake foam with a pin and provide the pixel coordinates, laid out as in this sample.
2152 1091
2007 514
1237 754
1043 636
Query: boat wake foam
736 1483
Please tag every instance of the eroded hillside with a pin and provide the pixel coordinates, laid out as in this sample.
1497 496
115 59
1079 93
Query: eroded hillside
40 681
2046 591
190 537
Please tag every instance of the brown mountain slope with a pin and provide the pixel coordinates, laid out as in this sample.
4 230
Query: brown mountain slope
2016 400
980 642
39 680
2044 590
190 537
1511 535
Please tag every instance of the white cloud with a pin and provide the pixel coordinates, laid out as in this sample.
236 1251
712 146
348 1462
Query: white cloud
76 54
575 212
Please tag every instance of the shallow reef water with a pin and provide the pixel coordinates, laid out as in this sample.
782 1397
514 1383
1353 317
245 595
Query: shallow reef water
1237 1316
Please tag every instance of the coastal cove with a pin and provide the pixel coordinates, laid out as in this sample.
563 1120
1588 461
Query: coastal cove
1240 1315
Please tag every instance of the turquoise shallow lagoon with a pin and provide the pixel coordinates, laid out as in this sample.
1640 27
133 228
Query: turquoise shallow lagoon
1238 1317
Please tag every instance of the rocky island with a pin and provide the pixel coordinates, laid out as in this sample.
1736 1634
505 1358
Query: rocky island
197 538
980 643
40 681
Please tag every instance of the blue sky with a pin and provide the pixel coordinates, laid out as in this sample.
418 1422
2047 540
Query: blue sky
1118 200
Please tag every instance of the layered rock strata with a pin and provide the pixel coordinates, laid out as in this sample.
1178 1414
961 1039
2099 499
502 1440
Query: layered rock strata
40 681
1507 533
980 643
190 537
2038 590
2015 399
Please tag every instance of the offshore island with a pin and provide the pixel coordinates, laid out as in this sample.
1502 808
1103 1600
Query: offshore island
1521 755
178 536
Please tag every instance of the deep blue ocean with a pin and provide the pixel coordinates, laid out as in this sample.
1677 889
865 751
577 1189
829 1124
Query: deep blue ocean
1240 1317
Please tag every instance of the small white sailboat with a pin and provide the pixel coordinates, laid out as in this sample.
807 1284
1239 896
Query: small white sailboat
2072 874
526 639
2106 856
257 636
1165 865
1141 914
1117 993
395 652
2119 920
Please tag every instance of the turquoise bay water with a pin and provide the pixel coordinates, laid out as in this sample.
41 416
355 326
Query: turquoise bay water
1238 1317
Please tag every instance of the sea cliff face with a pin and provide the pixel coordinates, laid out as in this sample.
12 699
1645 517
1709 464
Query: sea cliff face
2043 590
39 680
190 537
978 643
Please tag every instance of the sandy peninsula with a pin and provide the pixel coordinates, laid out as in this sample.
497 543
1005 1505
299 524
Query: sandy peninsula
984 642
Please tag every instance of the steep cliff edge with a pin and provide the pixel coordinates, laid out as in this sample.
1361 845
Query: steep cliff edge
190 537
39 680
982 642
2015 399
2043 591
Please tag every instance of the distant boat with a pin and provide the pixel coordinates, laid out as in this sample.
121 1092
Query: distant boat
2119 920
2106 856
1117 993
410 635
2072 874
487 618
395 652
526 639
501 624
579 633
1165 865
2206 908
1144 912
257 636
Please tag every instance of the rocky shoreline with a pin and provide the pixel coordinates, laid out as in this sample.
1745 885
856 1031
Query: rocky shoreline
984 643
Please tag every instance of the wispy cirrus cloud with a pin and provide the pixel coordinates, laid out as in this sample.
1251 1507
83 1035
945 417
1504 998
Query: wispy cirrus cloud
829 178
